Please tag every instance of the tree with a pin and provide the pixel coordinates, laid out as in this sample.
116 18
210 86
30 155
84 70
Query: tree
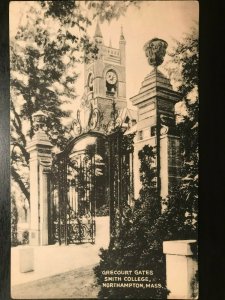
184 67
109 10
43 75
44 54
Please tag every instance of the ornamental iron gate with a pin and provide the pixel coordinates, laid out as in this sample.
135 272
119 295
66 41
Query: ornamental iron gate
92 171
75 195
120 169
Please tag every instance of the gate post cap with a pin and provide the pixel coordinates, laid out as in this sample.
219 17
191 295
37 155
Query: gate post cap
180 247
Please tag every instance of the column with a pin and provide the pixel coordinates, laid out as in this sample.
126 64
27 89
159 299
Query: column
40 152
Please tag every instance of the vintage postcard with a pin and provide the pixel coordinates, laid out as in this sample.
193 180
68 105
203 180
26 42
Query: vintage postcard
104 149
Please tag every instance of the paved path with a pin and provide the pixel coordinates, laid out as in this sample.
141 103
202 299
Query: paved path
76 284
53 259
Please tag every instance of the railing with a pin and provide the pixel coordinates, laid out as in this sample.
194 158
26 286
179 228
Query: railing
76 232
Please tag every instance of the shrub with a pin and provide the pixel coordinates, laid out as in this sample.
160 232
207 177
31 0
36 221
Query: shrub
137 238
25 237
102 211
136 241
14 221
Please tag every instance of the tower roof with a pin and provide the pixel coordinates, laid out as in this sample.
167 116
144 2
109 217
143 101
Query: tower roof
122 38
98 32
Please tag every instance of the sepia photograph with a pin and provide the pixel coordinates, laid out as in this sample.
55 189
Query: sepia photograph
104 152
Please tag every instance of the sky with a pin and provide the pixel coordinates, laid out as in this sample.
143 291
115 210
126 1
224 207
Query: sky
167 20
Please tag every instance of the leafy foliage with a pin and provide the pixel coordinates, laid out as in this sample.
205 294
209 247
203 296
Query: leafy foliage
190 180
136 242
137 239
183 71
185 57
102 210
108 10
14 220
25 237
44 54
183 65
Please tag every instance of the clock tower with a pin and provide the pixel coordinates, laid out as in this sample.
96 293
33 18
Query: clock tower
105 77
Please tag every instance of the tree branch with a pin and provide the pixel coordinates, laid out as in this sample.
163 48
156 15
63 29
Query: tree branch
18 125
23 150
21 184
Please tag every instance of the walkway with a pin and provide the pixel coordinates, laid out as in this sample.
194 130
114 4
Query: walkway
76 284
52 260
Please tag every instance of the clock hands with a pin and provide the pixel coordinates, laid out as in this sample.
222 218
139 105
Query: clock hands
111 77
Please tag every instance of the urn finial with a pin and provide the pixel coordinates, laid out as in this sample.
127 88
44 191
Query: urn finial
39 120
155 50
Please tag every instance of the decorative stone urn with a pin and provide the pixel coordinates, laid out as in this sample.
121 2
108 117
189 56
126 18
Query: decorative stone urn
39 120
155 50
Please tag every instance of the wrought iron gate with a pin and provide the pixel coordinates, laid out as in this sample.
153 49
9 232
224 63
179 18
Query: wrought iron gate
77 191
120 168
74 193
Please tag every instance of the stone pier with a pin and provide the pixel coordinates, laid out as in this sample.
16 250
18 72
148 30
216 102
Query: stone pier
181 269
40 165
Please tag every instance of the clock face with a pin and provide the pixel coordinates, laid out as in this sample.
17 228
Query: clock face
111 77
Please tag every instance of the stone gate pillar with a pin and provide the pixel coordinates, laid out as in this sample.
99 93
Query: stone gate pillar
181 269
156 121
40 150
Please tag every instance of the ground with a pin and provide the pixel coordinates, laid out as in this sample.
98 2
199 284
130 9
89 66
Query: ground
74 284
59 272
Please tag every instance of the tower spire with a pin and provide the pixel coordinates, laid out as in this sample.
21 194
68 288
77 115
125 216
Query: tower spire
98 34
122 38
122 45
